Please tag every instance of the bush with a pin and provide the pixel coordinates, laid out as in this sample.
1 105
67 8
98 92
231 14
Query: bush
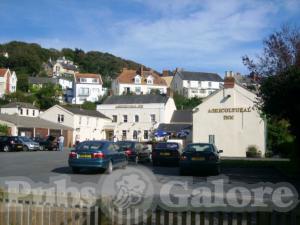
253 152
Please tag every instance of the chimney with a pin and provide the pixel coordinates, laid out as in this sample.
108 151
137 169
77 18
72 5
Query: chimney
110 92
170 92
142 70
165 73
229 80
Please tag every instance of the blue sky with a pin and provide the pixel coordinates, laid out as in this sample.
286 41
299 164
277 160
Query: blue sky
197 35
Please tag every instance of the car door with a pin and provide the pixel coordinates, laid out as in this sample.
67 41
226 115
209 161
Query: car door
114 155
121 154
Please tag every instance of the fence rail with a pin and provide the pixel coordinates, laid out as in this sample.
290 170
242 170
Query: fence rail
30 213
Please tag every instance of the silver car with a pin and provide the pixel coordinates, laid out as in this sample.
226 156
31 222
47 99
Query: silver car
29 144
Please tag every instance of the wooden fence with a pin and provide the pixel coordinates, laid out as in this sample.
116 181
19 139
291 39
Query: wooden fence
30 213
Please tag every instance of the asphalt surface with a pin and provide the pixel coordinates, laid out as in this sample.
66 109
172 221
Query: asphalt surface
41 166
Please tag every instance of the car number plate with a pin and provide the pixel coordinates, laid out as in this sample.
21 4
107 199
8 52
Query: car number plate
85 156
198 158
19 146
164 154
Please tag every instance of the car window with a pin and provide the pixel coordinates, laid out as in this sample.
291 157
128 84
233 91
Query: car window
89 146
125 144
3 139
200 148
167 145
116 147
26 139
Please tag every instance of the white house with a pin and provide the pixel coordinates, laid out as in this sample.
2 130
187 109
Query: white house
86 124
87 87
195 84
21 109
140 81
230 119
8 81
135 117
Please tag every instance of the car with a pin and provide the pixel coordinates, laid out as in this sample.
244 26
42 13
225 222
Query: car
97 155
200 157
28 143
136 152
48 143
8 143
166 153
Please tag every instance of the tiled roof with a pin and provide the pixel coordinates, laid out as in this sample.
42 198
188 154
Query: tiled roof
170 127
127 77
85 112
199 76
42 80
182 116
19 104
69 66
136 99
3 71
88 75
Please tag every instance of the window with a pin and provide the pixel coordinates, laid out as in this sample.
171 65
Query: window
135 134
33 112
60 118
21 111
209 84
149 80
125 118
137 80
80 119
136 118
124 134
146 135
199 83
152 116
202 91
115 118
84 91
83 80
211 139
95 80
27 112
138 90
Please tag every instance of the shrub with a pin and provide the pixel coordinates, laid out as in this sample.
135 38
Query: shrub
253 152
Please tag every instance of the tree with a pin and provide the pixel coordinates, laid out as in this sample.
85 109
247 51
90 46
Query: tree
4 129
182 102
48 95
89 105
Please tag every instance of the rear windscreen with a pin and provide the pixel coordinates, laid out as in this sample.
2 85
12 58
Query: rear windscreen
200 148
170 146
125 144
89 146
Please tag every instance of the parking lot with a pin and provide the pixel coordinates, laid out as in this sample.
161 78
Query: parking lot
40 166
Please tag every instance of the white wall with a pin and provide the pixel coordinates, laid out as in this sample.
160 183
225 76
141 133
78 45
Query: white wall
95 91
12 111
231 136
119 89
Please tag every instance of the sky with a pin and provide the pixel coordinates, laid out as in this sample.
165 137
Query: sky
196 35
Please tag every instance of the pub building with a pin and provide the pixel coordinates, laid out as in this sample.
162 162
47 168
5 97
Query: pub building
229 119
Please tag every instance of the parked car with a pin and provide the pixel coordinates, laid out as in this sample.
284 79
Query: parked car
200 157
100 155
8 143
135 151
166 153
28 144
48 143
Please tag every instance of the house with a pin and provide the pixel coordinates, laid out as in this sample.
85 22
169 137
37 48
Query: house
35 127
86 124
87 87
21 109
8 81
64 67
142 81
195 84
38 82
229 119
135 117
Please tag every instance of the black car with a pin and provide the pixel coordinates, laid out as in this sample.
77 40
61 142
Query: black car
48 143
135 151
166 153
8 143
201 158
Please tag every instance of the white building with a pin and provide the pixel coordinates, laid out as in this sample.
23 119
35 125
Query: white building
86 124
195 84
21 109
138 82
8 81
87 87
135 117
230 119
64 67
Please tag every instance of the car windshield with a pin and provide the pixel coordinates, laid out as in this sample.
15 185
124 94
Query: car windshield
125 144
167 145
90 146
200 148
25 139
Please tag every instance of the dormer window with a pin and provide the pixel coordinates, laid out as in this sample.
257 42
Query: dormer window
137 79
83 80
150 80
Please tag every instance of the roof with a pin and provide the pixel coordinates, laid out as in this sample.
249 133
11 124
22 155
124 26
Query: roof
36 122
88 75
19 104
3 71
42 80
85 112
69 66
199 76
168 80
135 99
172 127
127 77
182 116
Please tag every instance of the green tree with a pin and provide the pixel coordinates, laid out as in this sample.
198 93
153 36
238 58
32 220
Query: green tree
182 102
3 129
89 105
48 96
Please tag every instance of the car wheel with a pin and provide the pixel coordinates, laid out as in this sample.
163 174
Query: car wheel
182 172
75 170
154 163
109 168
25 148
217 170
6 148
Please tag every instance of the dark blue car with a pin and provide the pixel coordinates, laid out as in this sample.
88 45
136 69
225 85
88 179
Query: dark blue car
100 155
166 153
200 157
